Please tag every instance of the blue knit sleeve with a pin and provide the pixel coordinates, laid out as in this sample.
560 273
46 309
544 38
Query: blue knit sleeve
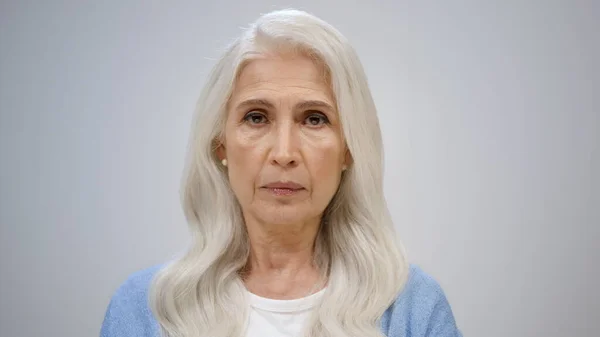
421 310
441 321
128 314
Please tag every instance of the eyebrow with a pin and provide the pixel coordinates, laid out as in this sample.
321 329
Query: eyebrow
304 105
249 103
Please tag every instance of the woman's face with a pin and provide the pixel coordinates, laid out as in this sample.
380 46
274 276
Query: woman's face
283 141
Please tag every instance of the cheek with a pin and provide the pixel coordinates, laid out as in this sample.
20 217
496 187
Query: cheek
241 148
244 157
325 164
241 179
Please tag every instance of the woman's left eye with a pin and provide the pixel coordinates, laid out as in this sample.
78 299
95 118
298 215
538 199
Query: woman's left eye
316 119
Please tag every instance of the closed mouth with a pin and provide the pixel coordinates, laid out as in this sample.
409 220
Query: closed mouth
284 186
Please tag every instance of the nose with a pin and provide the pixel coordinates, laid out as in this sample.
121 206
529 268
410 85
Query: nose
285 149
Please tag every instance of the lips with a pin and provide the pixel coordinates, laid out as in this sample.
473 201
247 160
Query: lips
284 186
284 189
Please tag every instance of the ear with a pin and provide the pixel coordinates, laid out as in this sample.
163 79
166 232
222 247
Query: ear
221 153
220 150
348 158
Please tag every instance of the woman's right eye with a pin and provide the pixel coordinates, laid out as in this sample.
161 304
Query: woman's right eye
255 118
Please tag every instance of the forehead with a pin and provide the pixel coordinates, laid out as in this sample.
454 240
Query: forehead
277 75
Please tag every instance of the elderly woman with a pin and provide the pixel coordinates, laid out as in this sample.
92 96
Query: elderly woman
284 195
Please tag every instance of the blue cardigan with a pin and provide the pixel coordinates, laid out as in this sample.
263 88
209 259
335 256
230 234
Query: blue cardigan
421 309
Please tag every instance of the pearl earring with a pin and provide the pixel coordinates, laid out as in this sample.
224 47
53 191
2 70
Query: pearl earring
344 168
224 162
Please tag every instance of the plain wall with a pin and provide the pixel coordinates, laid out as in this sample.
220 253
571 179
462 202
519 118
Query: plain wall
490 114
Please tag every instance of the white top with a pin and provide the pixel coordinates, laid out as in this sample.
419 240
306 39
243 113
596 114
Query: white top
280 318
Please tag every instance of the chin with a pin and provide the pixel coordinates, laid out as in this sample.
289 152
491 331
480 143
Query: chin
280 219
282 214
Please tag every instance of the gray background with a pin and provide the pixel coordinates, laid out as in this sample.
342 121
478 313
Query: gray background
490 112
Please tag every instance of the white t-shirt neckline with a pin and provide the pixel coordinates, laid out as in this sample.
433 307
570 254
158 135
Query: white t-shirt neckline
285 306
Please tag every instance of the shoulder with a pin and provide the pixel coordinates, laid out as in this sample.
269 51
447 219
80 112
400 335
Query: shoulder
421 309
128 313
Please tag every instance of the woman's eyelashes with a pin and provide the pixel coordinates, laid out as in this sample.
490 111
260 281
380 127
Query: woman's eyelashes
255 117
316 118
311 119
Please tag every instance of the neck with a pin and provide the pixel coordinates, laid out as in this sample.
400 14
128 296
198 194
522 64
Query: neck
281 261
280 247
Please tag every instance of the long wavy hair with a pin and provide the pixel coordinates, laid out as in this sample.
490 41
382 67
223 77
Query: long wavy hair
201 293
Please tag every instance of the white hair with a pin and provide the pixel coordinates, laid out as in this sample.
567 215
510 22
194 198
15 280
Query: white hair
201 294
